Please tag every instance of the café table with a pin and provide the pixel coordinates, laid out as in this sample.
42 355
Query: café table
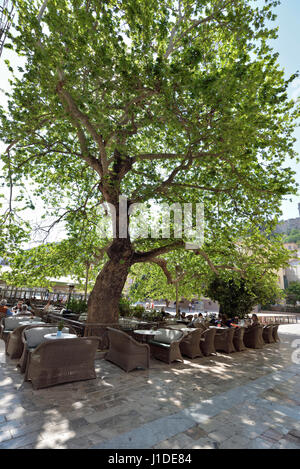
31 323
146 334
187 329
218 328
64 335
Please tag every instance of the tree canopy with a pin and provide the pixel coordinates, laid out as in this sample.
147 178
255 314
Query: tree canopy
173 101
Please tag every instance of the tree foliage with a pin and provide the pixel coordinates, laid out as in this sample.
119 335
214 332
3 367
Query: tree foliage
293 293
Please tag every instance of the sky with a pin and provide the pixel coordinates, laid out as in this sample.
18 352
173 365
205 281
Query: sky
287 45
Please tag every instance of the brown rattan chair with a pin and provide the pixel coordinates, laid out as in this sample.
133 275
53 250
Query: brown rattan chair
190 345
8 325
125 352
200 325
62 361
14 344
224 340
32 336
253 336
275 332
268 334
166 345
238 339
207 342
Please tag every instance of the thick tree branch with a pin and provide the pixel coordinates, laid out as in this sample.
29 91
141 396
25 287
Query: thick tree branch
150 255
78 116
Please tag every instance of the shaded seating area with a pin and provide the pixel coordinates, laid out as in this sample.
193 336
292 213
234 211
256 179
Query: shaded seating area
62 361
165 345
253 337
190 345
125 352
224 340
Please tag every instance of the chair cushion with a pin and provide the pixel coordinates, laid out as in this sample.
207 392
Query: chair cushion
35 336
167 336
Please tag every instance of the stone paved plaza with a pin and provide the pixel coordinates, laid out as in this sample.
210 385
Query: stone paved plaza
249 399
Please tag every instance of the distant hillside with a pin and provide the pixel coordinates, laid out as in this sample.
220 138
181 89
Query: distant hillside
292 236
287 226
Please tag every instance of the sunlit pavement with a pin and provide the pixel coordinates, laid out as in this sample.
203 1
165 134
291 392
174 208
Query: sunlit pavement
243 400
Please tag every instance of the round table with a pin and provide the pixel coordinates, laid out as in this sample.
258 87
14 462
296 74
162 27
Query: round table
146 334
64 335
31 323
216 327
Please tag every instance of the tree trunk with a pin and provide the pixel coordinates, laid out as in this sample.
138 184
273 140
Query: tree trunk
103 303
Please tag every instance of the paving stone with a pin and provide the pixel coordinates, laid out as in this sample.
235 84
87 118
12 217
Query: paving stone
259 443
218 436
295 433
19 442
204 443
285 444
272 435
195 433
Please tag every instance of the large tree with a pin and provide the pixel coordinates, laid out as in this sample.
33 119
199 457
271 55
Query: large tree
172 101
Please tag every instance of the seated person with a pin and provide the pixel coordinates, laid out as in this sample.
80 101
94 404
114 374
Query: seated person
182 317
213 320
24 311
229 322
198 318
48 307
18 307
223 320
4 310
27 303
254 320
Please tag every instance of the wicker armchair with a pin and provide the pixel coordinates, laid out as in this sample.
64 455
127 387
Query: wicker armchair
32 336
275 332
9 324
126 352
238 339
224 340
62 361
190 345
166 345
200 325
268 334
14 344
207 342
253 336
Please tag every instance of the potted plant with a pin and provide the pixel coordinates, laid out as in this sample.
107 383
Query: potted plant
60 328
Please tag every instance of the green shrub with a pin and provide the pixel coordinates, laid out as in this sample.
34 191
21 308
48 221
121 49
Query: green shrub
124 307
77 306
